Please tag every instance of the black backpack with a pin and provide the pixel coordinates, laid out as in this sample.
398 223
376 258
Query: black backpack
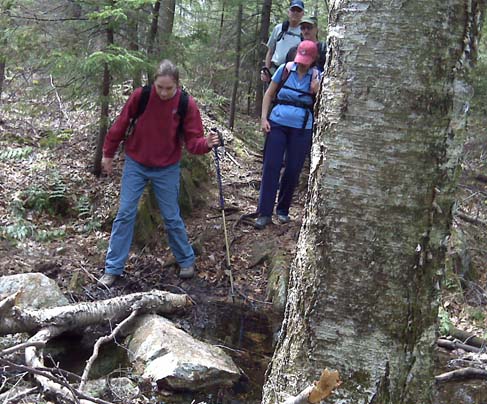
321 55
284 31
144 99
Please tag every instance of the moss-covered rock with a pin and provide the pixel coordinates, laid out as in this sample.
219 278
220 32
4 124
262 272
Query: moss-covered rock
148 226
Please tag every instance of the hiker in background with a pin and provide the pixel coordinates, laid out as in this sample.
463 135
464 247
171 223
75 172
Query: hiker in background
283 37
153 152
309 32
288 130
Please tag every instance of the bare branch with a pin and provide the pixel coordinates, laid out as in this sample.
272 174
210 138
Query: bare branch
5 399
8 302
47 374
97 345
18 347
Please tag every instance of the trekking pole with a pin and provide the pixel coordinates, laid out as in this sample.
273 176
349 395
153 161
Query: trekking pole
222 208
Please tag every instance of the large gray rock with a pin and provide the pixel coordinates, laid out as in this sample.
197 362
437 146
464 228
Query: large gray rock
37 291
174 360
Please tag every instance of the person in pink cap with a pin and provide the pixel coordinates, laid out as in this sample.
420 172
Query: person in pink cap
288 130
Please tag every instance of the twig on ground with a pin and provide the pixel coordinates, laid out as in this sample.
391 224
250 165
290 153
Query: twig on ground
8 302
97 345
48 375
59 100
5 399
18 347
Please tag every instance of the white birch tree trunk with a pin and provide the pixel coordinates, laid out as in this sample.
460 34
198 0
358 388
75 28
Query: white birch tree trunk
364 286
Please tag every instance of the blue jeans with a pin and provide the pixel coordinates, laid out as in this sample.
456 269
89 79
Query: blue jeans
165 182
295 144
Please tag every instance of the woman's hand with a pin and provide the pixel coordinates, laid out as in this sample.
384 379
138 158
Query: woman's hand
265 125
315 84
107 165
212 140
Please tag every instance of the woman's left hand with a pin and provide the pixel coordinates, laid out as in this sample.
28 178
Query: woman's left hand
315 85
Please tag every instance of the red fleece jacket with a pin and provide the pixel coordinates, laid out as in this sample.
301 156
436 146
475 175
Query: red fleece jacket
154 141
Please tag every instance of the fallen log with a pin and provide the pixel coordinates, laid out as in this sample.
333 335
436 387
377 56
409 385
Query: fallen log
81 315
445 343
48 323
462 374
470 219
467 337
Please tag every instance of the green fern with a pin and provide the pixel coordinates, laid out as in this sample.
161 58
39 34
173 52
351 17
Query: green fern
35 198
83 207
15 154
47 235
57 189
17 231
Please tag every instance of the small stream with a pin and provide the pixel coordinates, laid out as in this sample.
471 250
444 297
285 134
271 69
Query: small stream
247 335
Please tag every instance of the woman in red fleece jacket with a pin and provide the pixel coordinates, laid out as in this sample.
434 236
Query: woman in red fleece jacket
153 152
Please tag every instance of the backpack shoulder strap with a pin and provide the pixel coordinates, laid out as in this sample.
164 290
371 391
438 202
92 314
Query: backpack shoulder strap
284 29
285 75
143 100
182 110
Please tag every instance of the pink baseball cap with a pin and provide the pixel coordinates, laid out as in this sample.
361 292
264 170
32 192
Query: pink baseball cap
306 53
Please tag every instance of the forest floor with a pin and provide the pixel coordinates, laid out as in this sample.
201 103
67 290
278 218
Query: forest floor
55 219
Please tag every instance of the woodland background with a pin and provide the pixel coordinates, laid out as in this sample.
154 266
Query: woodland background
66 67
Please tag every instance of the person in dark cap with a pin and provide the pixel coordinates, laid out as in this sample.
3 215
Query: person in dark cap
309 32
283 37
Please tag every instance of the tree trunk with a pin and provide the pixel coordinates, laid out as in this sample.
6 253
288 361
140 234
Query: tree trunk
222 22
133 34
168 9
152 37
261 50
236 78
2 73
363 292
104 109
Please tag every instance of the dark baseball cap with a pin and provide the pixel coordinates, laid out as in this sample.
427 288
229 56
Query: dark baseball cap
309 20
297 3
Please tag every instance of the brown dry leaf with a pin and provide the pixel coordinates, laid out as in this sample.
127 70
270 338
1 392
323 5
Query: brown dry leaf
329 380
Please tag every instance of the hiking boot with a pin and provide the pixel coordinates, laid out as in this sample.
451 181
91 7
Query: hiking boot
283 218
186 272
262 221
107 280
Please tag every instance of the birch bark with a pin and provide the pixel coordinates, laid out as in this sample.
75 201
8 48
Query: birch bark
364 285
